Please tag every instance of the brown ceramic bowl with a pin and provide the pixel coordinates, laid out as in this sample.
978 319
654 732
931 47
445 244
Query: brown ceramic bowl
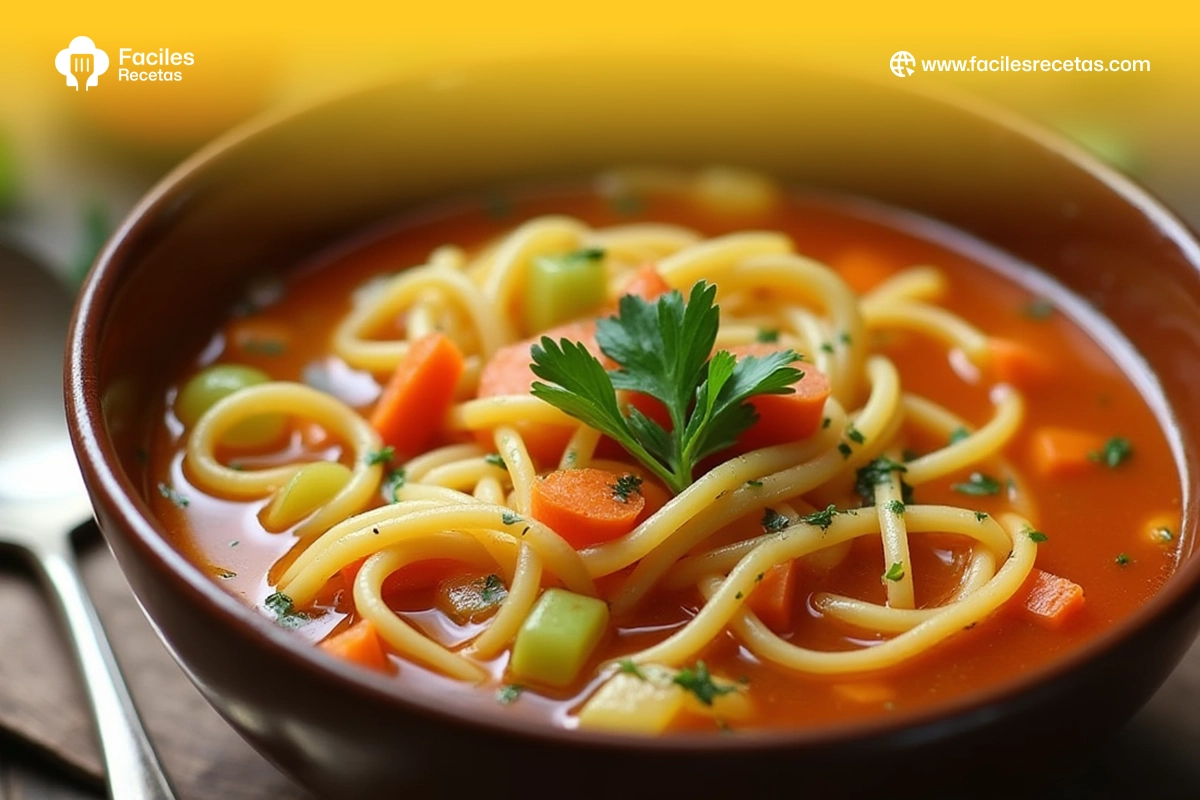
276 192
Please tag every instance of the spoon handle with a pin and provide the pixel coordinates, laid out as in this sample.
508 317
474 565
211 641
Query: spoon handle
134 770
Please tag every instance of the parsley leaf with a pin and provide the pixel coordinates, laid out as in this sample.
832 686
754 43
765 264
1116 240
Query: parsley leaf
1115 451
508 693
626 486
662 349
773 521
699 682
1037 537
958 434
285 610
1123 560
392 484
174 496
383 455
876 472
896 507
979 485
629 667
493 590
895 572
822 519
495 460
767 335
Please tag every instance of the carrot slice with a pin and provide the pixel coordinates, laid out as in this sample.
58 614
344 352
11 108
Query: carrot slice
647 283
1018 364
409 413
1061 452
784 417
510 371
359 644
1048 600
584 506
773 599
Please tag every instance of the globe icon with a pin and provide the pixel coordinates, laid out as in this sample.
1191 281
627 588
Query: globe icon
902 64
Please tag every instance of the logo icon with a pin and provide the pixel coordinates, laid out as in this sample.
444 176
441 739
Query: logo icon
902 64
82 63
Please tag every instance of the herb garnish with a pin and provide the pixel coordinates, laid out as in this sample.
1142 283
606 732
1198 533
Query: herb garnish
496 460
629 667
175 497
895 572
1115 451
510 517
766 335
626 486
979 485
896 507
855 435
699 682
981 515
1037 537
662 349
383 455
876 473
392 484
285 610
508 693
493 590
773 521
958 434
822 519
1123 559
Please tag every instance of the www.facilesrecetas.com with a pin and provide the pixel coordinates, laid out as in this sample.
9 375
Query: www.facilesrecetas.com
1007 64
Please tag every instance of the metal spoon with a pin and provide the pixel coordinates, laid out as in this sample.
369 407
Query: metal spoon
42 499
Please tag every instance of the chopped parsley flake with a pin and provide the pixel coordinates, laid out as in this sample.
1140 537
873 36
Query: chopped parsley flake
1115 452
628 667
773 521
383 455
981 515
844 338
495 460
392 484
510 518
284 609
1123 559
876 473
754 483
699 682
855 435
766 335
493 590
822 519
738 596
1037 537
979 485
958 434
175 497
225 574
826 422
844 449
508 693
626 486
827 347
1038 309
895 572
896 507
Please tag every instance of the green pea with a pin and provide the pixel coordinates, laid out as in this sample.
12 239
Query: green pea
217 382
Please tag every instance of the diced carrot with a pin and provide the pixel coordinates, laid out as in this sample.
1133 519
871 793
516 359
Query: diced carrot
863 270
1048 600
583 505
784 417
359 644
510 371
1061 452
647 283
420 392
773 599
1018 364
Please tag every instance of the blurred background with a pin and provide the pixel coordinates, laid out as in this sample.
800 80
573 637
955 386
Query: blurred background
72 163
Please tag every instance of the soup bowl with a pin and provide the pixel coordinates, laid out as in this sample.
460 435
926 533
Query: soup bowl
277 191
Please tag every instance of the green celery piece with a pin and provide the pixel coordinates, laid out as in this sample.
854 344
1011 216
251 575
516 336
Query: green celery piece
563 287
558 637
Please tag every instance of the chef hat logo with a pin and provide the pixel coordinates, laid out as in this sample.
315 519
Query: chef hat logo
82 60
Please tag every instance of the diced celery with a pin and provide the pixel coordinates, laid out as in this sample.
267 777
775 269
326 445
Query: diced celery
641 701
558 637
311 487
217 382
564 287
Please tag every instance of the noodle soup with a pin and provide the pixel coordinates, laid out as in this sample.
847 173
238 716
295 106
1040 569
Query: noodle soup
495 449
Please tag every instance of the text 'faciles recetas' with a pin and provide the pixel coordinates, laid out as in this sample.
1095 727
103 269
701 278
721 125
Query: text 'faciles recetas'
130 60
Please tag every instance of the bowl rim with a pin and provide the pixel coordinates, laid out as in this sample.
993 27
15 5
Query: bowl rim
101 465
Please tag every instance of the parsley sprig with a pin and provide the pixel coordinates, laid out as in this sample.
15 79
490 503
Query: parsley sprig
662 349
